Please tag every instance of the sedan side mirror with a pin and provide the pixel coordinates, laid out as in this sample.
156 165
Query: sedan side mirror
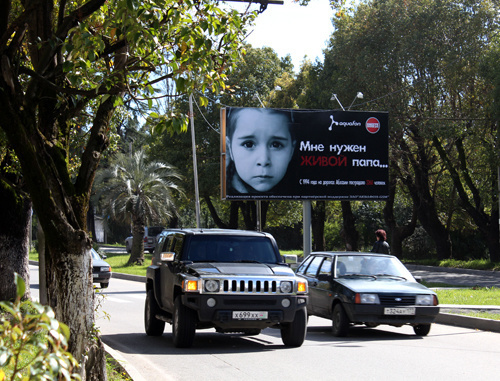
324 277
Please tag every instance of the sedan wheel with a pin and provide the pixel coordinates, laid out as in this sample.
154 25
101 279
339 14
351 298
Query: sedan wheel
340 321
422 329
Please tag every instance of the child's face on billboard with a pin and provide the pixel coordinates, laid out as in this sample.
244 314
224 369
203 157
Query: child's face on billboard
261 148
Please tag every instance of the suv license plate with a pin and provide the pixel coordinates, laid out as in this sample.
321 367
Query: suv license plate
399 311
249 315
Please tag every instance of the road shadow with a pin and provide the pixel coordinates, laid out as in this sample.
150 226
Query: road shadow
205 342
358 335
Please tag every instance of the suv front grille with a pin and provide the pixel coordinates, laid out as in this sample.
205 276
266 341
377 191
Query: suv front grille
257 286
250 286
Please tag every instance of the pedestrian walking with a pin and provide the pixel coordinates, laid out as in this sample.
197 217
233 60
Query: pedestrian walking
381 245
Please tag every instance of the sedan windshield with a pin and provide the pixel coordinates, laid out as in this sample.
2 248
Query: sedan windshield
371 266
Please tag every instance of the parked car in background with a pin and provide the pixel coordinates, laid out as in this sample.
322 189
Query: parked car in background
150 234
353 288
101 271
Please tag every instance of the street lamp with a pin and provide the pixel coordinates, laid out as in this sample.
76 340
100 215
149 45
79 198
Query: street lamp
335 98
358 95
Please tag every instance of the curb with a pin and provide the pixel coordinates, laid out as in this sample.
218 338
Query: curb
468 322
134 278
124 365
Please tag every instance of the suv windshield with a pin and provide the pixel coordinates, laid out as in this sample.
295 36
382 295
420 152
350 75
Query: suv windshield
220 248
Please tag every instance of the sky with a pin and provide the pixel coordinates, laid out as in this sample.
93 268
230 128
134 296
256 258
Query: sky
293 29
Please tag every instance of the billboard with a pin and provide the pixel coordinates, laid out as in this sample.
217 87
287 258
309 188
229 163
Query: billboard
303 154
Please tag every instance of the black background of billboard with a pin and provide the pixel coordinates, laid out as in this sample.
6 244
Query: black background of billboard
313 126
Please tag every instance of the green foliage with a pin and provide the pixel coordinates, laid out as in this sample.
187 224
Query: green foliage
33 344
476 264
470 296
138 189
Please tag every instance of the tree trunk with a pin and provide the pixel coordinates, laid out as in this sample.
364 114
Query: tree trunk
349 231
42 268
137 253
318 225
233 214
397 233
419 189
248 209
14 240
470 196
70 277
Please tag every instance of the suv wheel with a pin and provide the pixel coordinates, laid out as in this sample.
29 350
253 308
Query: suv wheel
153 326
294 333
184 325
340 321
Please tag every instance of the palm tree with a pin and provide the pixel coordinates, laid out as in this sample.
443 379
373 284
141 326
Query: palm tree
139 192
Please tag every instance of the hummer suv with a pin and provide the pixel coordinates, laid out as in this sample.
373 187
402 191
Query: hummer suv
231 280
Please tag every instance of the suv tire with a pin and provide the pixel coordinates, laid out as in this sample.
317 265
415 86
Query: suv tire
153 326
183 324
293 334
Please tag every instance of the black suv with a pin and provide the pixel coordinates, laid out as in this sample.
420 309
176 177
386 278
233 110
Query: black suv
231 280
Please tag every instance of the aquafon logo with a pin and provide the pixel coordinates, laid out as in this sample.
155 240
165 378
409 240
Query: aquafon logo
372 125
353 123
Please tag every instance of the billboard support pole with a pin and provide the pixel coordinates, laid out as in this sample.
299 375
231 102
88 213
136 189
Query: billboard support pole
195 166
306 212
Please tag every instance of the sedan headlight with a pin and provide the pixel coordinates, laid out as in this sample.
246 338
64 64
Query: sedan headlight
367 299
212 285
286 287
424 300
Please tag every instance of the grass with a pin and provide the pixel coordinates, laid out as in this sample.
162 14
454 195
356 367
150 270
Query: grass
473 264
482 296
118 263
115 371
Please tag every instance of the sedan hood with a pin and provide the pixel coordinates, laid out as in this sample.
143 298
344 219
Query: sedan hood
229 268
383 284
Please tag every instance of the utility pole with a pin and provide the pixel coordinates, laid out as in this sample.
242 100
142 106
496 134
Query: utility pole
195 166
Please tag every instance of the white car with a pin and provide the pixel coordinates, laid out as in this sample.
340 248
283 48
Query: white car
150 233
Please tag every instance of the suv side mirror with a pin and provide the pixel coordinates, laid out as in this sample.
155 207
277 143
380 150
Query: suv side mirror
289 258
167 256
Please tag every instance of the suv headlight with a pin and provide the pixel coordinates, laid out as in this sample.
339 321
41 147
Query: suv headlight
190 285
424 300
286 287
302 287
211 285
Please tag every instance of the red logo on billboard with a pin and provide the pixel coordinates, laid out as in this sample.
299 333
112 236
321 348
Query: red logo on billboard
372 125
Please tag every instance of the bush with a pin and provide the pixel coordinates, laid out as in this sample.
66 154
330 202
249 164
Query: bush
33 344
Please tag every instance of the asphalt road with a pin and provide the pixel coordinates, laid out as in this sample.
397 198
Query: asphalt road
383 353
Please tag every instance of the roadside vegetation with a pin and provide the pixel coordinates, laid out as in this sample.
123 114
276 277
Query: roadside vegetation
484 296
